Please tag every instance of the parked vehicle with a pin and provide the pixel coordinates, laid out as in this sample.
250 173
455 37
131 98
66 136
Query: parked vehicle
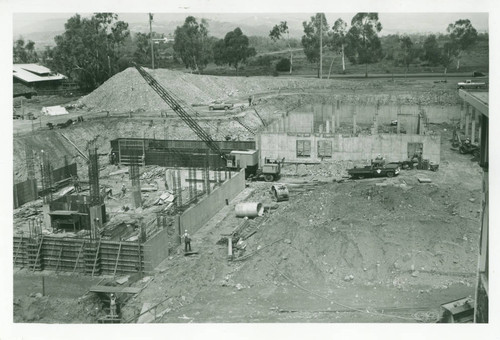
220 105
469 84
249 160
374 170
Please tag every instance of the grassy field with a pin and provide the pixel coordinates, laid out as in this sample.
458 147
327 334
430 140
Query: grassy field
476 59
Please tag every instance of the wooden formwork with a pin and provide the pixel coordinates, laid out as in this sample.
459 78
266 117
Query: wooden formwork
91 257
20 251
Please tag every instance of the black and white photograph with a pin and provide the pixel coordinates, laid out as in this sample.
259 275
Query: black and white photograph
197 166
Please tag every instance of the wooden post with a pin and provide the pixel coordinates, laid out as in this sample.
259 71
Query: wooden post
43 285
230 247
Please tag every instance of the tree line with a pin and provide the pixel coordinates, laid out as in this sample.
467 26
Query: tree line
360 42
91 50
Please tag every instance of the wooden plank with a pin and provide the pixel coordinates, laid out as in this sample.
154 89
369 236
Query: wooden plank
96 255
38 253
117 258
113 289
59 259
78 257
18 248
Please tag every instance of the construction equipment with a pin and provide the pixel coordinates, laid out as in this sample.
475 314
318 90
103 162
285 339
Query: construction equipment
280 192
466 146
248 160
458 311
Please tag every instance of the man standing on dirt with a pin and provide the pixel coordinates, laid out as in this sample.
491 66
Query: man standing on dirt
187 241
112 306
124 190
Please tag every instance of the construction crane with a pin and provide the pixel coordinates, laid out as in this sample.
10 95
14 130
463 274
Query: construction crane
249 160
181 112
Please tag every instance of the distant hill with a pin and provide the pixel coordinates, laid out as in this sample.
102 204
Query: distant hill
42 28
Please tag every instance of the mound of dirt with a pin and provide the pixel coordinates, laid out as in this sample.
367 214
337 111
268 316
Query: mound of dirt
361 233
127 91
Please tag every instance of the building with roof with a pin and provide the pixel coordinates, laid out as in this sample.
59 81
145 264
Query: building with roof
21 90
477 101
37 77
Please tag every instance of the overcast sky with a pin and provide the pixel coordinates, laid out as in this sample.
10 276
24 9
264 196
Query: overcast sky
24 23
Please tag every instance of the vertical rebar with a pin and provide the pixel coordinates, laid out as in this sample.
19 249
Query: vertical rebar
203 183
95 196
179 188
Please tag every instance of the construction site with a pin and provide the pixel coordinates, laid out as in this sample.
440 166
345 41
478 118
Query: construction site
286 212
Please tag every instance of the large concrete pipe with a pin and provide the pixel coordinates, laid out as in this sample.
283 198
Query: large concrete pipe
249 209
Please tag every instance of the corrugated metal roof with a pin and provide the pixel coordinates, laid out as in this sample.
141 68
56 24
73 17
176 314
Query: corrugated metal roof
34 68
478 100
25 73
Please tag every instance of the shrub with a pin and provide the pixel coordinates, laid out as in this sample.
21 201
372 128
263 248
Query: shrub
283 65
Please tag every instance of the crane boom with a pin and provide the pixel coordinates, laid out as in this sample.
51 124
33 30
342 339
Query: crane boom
179 110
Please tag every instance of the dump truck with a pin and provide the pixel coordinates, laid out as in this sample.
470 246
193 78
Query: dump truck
469 84
374 170
249 160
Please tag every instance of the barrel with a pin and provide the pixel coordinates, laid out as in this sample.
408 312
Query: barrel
249 209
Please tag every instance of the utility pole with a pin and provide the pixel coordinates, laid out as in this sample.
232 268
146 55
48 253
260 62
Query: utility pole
151 38
321 46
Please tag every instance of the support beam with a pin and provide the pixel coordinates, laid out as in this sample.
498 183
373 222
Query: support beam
479 129
467 119
327 129
375 124
337 113
462 114
354 127
473 127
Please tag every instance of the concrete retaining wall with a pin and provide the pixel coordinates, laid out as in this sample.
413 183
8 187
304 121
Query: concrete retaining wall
195 217
308 119
160 246
392 146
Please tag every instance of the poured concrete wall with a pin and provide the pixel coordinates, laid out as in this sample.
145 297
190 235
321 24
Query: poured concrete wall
364 115
195 217
159 247
184 173
393 147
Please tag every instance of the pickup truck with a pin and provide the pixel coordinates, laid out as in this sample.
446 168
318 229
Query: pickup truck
469 84
374 170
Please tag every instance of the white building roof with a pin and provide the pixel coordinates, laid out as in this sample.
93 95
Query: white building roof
33 73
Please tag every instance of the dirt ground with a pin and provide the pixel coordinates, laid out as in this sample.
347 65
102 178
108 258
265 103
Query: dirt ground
384 250
402 251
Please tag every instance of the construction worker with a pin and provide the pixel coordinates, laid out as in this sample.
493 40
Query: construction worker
76 183
112 305
124 190
379 160
187 241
